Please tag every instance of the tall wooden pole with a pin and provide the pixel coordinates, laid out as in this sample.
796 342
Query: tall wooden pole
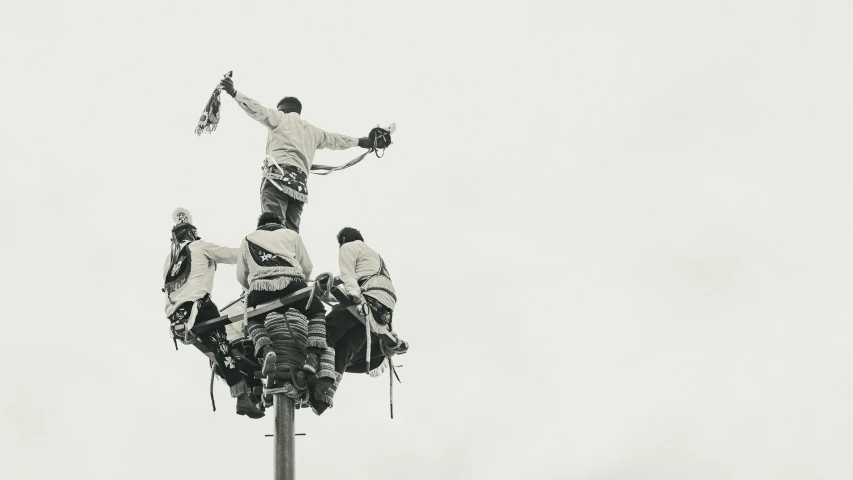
284 438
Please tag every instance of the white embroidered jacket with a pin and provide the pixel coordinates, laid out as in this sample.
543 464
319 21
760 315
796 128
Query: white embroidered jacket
204 257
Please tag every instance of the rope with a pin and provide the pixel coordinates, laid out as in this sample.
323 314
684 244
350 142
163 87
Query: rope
310 296
367 329
212 374
325 288
240 298
290 391
326 170
392 372
246 306
270 391
287 324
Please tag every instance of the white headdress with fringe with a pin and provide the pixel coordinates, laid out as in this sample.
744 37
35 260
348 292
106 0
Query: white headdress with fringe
182 215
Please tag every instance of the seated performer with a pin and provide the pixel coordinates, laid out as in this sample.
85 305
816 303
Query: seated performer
366 280
272 263
188 278
291 145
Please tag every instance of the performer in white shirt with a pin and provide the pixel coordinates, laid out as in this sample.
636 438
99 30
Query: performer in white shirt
291 145
188 282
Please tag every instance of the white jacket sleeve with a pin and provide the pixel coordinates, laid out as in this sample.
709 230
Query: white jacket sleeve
347 256
166 267
267 116
243 265
303 258
333 141
220 254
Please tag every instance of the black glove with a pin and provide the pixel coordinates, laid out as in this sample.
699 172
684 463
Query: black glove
228 85
379 138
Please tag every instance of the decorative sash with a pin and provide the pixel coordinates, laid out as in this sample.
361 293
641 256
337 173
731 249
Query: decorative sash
179 271
274 272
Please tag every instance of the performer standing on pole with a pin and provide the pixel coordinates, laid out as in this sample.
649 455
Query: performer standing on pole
291 145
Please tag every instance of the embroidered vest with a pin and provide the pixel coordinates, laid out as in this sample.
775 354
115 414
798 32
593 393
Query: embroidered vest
272 271
179 270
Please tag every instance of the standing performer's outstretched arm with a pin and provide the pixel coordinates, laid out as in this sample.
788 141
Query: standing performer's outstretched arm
272 117
268 116
333 141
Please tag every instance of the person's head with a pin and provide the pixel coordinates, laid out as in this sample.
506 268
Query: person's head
290 104
184 228
348 234
185 232
268 218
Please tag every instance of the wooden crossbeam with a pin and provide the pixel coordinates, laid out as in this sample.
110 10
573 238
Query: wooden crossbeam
386 335
283 376
218 322
284 406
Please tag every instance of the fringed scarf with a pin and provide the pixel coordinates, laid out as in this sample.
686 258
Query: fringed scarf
210 116
179 266
274 272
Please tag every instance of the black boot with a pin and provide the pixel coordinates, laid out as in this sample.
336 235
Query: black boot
245 406
267 358
312 363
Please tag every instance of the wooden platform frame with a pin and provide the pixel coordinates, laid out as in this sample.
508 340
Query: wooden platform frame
284 450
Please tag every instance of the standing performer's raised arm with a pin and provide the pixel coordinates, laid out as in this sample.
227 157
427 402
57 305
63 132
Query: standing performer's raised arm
269 117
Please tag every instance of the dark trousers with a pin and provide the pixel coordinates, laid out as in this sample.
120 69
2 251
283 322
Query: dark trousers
275 201
347 336
216 342
245 361
315 310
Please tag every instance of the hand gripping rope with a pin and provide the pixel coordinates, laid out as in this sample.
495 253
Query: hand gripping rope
381 137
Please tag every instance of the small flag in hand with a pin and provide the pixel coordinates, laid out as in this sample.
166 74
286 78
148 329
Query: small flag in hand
210 117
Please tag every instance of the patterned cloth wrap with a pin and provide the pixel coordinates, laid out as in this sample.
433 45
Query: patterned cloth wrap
291 335
178 320
244 348
217 340
178 323
381 313
290 179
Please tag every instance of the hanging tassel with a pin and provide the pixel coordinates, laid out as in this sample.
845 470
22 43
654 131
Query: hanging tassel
210 116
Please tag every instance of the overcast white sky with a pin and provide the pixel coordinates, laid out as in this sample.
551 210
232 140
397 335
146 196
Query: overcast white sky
620 232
